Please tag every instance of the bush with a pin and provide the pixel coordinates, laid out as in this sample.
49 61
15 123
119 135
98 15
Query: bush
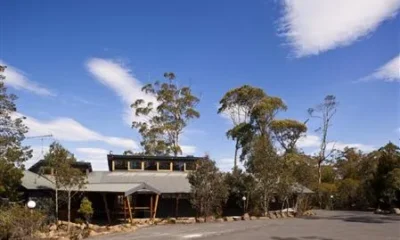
18 222
86 209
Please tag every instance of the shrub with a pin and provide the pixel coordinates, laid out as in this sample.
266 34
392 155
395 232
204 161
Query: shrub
86 209
18 222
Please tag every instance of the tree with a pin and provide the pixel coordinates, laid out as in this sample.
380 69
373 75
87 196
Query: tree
260 109
237 104
242 184
387 177
287 132
324 112
86 209
265 165
208 189
67 179
12 153
168 116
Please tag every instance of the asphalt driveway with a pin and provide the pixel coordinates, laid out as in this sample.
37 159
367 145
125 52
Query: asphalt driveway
326 225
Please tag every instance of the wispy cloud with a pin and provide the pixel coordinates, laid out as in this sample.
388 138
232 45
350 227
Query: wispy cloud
313 142
120 79
96 156
389 72
188 150
17 79
68 129
315 26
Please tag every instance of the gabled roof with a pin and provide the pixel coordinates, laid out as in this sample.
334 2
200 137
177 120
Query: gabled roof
79 164
164 182
33 181
125 188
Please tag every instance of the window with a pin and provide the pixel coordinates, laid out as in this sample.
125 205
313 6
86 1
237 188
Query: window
190 166
164 165
135 165
178 166
150 165
120 165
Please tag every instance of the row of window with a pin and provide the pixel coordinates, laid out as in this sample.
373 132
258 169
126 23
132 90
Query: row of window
153 165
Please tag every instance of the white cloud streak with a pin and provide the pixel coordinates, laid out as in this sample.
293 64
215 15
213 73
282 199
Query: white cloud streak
188 150
68 129
121 80
389 72
313 142
315 26
18 80
96 156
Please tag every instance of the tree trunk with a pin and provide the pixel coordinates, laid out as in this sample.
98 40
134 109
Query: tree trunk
319 173
56 205
69 211
236 151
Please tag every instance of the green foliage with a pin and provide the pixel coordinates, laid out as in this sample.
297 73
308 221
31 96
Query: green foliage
67 179
244 184
18 222
252 112
287 132
208 189
86 209
167 117
266 166
12 153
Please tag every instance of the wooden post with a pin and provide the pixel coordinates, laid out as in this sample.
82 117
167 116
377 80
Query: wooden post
151 206
176 206
155 206
129 209
124 207
106 208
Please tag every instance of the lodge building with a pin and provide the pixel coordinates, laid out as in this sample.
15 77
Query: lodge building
135 186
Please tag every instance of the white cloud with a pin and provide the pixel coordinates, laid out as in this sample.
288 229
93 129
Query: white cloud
226 164
390 72
96 156
121 80
17 79
313 142
68 129
188 150
308 141
315 26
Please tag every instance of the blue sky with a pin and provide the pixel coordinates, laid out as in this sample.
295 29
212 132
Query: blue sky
77 65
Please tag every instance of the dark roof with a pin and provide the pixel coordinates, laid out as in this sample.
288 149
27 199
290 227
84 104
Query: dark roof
33 181
163 182
149 157
125 188
82 165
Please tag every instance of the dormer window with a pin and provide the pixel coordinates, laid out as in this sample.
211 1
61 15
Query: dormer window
150 165
120 165
135 165
164 165
178 166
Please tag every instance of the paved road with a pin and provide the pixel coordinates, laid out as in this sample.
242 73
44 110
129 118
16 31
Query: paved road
325 226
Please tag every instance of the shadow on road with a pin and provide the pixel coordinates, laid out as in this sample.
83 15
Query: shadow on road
301 238
362 218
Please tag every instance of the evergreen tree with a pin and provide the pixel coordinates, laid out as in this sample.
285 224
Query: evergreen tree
12 153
